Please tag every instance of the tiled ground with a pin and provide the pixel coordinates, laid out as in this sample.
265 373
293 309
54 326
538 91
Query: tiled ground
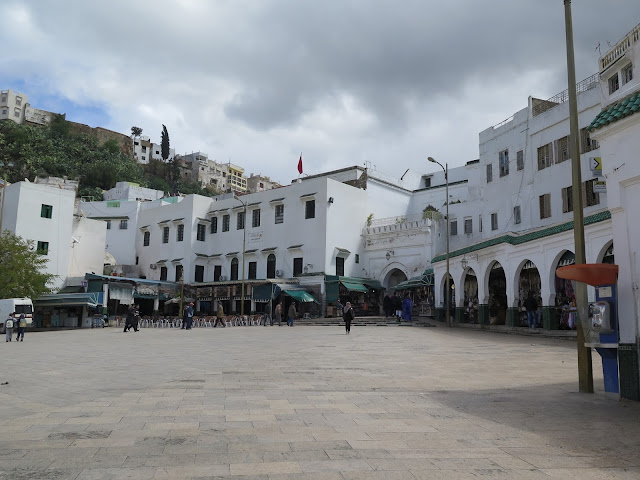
306 403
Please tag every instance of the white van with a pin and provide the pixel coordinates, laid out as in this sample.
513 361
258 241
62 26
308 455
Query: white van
18 305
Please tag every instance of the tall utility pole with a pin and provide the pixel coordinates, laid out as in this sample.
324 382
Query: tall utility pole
447 295
585 369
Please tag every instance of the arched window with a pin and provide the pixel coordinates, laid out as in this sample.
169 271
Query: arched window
234 269
271 266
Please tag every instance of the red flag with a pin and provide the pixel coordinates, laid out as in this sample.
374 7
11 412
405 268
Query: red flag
300 165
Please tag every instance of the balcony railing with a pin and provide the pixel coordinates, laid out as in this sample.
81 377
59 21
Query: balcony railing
618 51
394 224
582 86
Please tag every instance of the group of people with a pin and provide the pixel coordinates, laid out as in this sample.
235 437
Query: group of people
393 305
19 324
132 319
268 318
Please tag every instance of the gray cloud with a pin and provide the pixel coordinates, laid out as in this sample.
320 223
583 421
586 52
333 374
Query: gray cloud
346 82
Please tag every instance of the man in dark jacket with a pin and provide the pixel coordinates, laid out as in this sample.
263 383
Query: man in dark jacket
348 316
531 306
387 306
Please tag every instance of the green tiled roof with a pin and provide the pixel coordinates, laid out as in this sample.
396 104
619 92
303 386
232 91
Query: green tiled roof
527 237
624 108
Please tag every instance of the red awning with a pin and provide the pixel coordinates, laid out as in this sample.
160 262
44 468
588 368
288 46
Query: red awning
594 274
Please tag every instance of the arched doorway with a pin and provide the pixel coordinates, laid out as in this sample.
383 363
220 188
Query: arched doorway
471 296
452 293
497 295
394 277
565 296
529 282
608 256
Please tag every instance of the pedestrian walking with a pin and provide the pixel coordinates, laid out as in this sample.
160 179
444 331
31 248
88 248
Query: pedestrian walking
128 323
185 317
348 315
531 306
8 325
219 316
278 313
407 308
22 326
267 314
190 316
397 305
292 314
387 306
339 308
136 318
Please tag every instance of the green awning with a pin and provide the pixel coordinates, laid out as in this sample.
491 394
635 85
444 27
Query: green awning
354 287
265 292
70 300
415 282
300 295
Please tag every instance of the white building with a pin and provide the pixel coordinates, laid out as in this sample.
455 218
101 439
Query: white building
513 229
132 191
15 106
45 215
144 150
617 129
260 183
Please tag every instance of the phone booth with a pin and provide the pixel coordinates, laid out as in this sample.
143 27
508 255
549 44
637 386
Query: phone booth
602 326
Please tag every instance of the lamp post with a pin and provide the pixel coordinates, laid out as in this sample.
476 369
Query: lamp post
244 242
445 169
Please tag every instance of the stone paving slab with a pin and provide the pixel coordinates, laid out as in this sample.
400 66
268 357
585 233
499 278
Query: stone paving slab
307 404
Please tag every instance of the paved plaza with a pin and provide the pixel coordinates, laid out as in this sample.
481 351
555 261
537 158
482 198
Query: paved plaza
307 403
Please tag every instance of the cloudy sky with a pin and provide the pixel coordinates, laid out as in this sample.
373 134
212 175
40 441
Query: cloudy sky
345 82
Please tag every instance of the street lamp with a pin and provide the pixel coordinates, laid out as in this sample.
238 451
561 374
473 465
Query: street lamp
244 242
445 169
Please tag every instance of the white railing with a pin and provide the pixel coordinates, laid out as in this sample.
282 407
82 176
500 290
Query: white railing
616 52
394 224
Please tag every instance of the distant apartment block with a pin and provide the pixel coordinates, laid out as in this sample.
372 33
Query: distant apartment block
260 183
223 176
144 150
15 106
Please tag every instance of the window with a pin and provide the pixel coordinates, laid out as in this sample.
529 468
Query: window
357 258
494 221
627 73
340 266
503 159
199 277
217 273
180 233
16 112
310 209
201 232
567 200
562 149
516 215
614 84
253 270
279 213
179 272
545 205
255 218
427 182
297 265
225 223
144 157
43 248
271 266
468 226
480 223
234 269
165 235
489 173
46 211
586 143
240 221
520 160
18 101
163 273
590 197
146 238
453 228
144 149
108 224
214 225
545 158
124 224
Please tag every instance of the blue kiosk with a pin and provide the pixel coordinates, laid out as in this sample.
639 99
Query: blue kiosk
603 314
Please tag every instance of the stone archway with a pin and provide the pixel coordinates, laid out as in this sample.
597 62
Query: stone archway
497 294
606 255
528 280
470 297
393 277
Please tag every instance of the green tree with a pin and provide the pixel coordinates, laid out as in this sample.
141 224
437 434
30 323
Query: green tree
164 145
22 268
136 131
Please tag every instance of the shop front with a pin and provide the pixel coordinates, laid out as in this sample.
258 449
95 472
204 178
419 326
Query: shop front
67 310
420 291
363 293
